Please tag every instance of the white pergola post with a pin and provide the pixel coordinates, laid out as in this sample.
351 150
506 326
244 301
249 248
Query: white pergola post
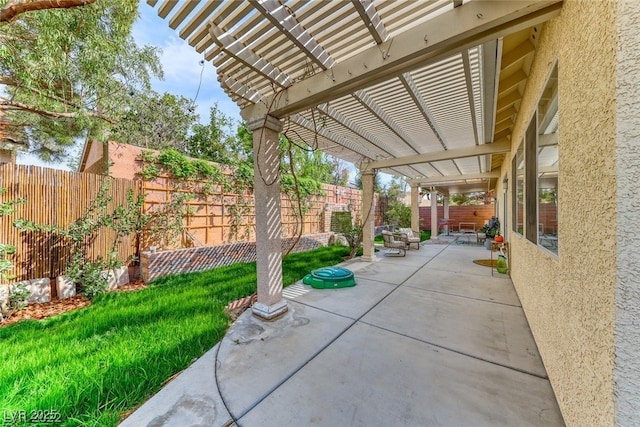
446 212
266 164
368 214
434 214
415 210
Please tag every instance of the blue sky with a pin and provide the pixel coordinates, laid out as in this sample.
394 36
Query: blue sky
181 64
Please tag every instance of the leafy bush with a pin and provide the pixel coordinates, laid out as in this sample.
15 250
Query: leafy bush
92 278
399 214
19 296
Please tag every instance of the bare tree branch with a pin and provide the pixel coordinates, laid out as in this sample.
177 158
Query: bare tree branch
6 104
14 8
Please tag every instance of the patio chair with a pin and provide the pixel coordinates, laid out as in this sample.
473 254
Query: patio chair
394 247
406 235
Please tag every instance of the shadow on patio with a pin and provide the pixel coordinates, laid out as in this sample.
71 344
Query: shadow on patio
429 339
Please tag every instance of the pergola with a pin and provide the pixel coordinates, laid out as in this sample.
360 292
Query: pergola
428 90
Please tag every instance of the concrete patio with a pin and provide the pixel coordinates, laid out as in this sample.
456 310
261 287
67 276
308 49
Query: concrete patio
426 339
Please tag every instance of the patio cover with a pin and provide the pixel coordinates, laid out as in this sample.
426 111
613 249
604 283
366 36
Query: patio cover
426 90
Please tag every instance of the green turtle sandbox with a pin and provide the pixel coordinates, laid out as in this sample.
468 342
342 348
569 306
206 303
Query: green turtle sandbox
330 278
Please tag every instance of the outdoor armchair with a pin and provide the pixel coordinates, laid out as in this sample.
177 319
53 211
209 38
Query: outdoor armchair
406 235
394 247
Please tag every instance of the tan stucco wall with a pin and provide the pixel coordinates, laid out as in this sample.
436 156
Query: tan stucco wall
569 299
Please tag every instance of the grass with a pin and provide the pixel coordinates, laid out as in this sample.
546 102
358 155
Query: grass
92 364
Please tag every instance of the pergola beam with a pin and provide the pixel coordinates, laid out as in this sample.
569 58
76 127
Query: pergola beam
355 128
166 7
327 134
491 59
473 23
182 13
440 180
436 156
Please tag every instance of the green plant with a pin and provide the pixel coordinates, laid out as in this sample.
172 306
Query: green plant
354 238
164 224
491 229
18 297
16 294
399 214
177 163
92 278
150 172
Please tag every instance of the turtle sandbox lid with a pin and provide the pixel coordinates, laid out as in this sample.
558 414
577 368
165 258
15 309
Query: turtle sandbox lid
330 278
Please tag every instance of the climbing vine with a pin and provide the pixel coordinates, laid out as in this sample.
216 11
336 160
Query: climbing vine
198 178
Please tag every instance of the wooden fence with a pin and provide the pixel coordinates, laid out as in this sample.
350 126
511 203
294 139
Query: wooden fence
56 198
227 217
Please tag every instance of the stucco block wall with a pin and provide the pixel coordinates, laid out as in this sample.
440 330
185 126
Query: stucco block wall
158 264
627 331
569 299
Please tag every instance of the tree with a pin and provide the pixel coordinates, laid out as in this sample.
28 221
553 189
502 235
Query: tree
340 174
67 71
476 198
377 185
218 142
10 11
156 121
392 210
307 163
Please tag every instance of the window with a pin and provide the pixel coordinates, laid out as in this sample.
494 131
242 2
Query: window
518 190
535 173
547 165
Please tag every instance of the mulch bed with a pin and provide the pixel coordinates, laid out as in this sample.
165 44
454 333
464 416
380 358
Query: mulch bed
54 307
236 308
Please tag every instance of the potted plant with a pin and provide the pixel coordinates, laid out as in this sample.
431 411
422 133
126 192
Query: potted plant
491 230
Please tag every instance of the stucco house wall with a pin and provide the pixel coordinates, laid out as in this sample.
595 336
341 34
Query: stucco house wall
569 299
627 155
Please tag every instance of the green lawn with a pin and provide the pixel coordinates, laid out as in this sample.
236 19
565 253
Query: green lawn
94 363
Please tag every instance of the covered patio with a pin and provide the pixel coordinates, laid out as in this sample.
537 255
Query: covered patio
428 91
429 339
454 95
